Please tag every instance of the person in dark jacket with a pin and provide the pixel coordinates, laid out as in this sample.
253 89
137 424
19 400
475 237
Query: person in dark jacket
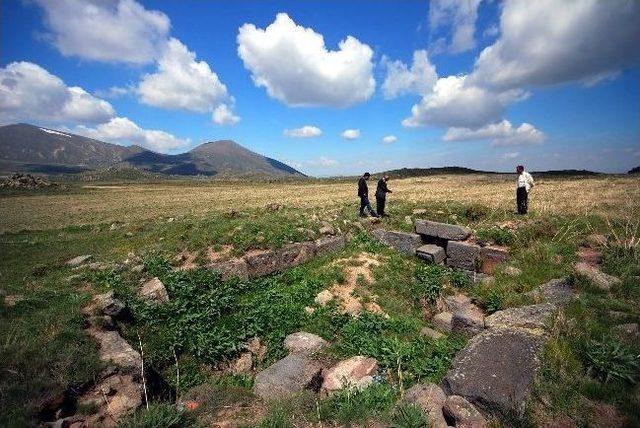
381 195
363 193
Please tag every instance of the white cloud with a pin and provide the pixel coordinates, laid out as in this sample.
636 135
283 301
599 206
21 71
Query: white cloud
456 103
323 161
222 115
306 131
122 130
389 139
351 134
111 31
181 82
500 133
293 64
30 93
546 42
401 79
114 92
510 155
461 16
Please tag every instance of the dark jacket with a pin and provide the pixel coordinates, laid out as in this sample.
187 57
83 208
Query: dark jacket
382 190
363 189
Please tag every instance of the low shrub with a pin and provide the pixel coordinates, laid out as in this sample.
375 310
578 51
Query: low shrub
409 416
158 415
609 359
429 282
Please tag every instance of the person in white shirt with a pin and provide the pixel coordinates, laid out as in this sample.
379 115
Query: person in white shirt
524 186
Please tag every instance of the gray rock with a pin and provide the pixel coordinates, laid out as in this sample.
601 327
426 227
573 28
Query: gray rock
533 317
294 254
301 341
462 255
468 321
406 243
77 261
446 231
108 305
113 348
329 244
557 291
261 262
496 370
431 333
231 268
154 291
442 321
289 376
430 398
431 253
464 414
456 302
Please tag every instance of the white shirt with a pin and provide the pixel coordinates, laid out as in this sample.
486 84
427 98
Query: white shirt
525 180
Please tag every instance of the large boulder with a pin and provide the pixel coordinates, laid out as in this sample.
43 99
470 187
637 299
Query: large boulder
236 267
450 232
261 262
496 370
534 317
301 341
355 373
289 376
329 244
429 398
406 243
431 253
463 413
557 291
154 291
462 255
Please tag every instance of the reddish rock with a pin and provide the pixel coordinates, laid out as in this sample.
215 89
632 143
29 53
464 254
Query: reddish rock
430 398
463 413
491 257
356 372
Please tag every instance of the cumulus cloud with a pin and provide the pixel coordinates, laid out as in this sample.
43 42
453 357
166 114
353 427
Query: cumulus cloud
501 134
546 42
181 82
351 134
121 130
510 155
400 79
389 139
323 161
460 17
110 31
306 131
222 115
293 64
455 103
28 93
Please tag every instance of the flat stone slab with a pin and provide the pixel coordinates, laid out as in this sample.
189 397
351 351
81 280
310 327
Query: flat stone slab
557 291
431 253
406 243
533 317
289 376
114 349
446 231
462 255
468 320
496 370
231 268
329 244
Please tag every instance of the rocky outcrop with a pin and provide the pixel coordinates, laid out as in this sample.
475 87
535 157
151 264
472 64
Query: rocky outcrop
355 373
450 232
236 267
430 398
113 397
288 376
532 317
114 349
406 243
261 262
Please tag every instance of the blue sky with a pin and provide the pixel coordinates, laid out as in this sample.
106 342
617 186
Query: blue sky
551 84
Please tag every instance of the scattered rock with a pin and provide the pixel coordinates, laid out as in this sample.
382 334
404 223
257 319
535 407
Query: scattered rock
114 397
431 253
557 291
456 302
77 261
442 321
231 268
327 229
462 255
430 398
257 348
406 243
628 332
534 317
11 300
105 304
274 207
289 376
323 297
329 244
113 348
491 257
442 230
355 373
26 181
431 333
138 268
154 291
496 370
306 343
463 413
186 260
512 271
596 276
408 219
309 310
419 211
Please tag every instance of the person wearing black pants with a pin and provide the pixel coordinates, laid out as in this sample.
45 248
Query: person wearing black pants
381 195
363 193
524 185
521 200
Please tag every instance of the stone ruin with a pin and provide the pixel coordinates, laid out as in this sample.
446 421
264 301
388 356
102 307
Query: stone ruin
25 181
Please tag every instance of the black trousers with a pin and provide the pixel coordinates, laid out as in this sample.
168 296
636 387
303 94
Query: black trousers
522 199
380 203
364 203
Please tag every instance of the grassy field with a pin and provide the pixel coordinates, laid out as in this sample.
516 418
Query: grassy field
44 349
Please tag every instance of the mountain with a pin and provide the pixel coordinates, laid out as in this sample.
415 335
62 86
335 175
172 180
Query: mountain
421 172
29 148
635 170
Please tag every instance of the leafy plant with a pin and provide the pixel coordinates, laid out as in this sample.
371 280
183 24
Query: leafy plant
158 415
459 279
609 359
429 282
349 406
409 416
